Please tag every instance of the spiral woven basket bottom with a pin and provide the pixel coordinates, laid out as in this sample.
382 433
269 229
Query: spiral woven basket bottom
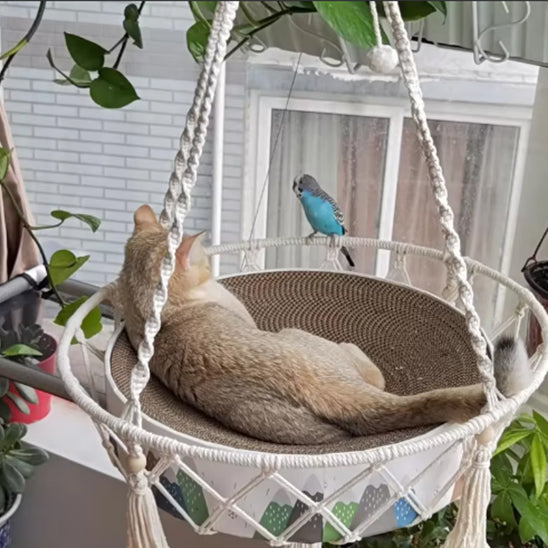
417 340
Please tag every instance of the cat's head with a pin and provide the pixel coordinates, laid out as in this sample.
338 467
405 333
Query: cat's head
144 252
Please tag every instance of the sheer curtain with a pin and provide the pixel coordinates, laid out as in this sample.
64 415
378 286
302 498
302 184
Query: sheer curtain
478 163
346 155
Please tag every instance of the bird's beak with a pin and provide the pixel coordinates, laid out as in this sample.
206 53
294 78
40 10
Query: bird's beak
296 187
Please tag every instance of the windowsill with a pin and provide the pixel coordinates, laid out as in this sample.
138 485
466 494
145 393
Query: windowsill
69 433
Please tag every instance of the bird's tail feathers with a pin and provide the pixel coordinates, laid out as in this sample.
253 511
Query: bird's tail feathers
345 252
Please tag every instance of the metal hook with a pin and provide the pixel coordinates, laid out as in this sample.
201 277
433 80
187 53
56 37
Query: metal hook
419 34
333 64
346 58
480 55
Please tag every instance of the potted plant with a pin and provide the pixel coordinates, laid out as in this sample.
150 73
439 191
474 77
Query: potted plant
28 345
17 463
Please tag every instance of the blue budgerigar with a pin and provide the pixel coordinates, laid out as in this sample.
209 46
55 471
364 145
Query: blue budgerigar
321 210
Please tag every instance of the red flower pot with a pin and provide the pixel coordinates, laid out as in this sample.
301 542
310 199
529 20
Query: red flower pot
48 346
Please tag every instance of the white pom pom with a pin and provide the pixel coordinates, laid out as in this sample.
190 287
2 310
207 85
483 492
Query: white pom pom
382 59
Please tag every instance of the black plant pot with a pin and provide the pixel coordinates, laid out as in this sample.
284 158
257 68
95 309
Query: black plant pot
536 276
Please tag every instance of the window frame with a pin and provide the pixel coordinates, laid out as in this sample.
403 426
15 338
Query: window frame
255 185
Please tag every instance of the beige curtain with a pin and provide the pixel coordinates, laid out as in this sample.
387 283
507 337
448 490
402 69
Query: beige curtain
17 251
361 172
478 162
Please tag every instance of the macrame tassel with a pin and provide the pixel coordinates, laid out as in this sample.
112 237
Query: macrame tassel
144 528
470 527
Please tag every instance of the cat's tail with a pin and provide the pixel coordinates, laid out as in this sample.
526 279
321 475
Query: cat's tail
511 365
364 409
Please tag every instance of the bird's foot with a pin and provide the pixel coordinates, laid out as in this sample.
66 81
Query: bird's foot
310 237
333 240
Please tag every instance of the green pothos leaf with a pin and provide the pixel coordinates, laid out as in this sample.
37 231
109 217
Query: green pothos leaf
91 324
85 53
78 75
196 39
63 264
112 89
350 20
62 215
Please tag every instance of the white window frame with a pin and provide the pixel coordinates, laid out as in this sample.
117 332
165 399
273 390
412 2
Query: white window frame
395 109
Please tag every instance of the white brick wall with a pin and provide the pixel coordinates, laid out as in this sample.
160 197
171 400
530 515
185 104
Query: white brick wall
78 156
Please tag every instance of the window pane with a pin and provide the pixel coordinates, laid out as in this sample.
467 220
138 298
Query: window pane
346 156
478 163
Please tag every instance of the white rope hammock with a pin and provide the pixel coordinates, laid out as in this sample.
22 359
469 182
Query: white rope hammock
462 450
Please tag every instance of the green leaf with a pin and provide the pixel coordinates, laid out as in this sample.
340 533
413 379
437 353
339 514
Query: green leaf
14 432
4 163
413 11
196 40
86 54
203 11
501 465
31 455
511 437
350 20
93 222
4 385
19 402
5 412
91 325
131 12
63 264
27 392
526 530
78 75
523 417
541 422
538 464
533 522
208 6
524 471
24 468
132 28
519 497
439 6
502 509
304 5
21 350
12 478
112 89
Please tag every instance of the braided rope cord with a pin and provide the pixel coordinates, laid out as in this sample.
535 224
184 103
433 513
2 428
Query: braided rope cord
195 122
376 23
453 256
225 14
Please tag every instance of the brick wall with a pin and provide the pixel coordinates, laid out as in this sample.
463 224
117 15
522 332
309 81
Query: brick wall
78 156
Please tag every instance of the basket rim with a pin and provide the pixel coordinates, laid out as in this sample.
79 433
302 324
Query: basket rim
453 433
206 443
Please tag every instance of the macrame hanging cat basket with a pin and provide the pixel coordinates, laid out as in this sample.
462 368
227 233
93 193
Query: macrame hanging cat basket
220 481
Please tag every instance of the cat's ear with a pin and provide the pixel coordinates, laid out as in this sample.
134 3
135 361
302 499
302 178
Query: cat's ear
144 217
191 251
